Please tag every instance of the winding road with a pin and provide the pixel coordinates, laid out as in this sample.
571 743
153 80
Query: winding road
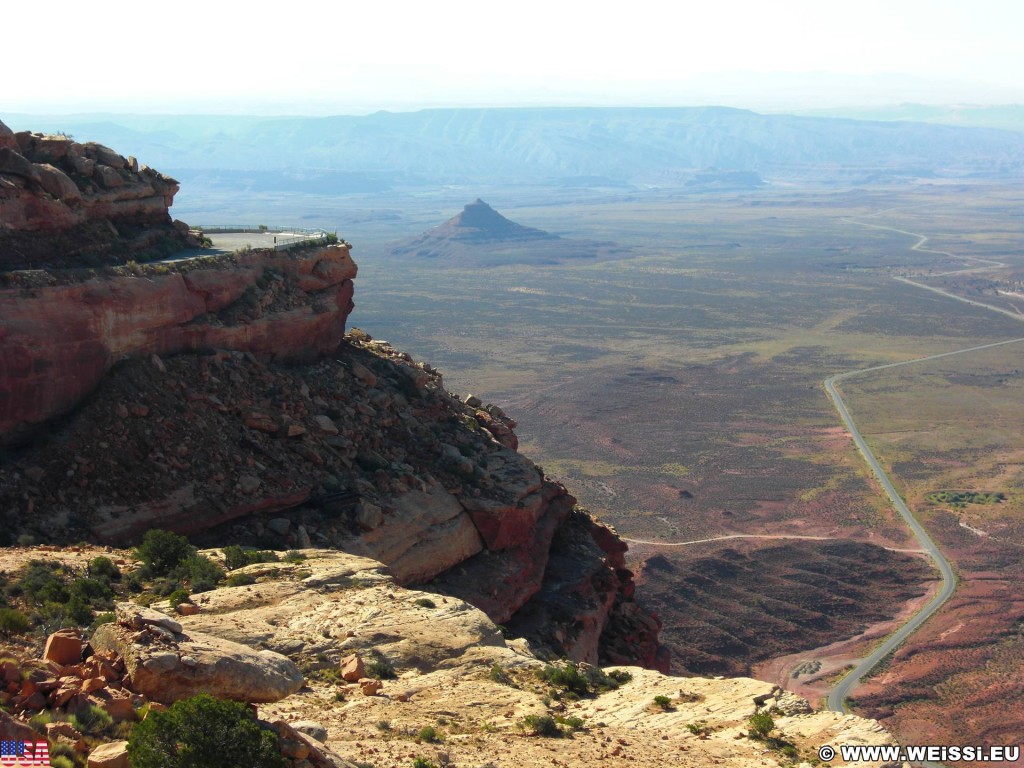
837 696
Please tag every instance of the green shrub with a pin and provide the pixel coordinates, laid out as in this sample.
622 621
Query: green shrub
61 761
699 728
177 597
429 734
379 667
103 618
13 622
165 587
39 721
92 720
426 602
664 702
237 557
567 677
499 675
422 762
162 552
63 751
103 568
760 724
93 591
572 722
78 611
620 676
201 572
41 583
541 725
203 732
241 579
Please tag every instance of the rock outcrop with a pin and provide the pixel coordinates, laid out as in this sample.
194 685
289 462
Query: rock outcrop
382 662
165 664
62 202
58 338
365 452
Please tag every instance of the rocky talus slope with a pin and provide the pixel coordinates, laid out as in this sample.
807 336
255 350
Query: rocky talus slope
363 451
67 203
345 623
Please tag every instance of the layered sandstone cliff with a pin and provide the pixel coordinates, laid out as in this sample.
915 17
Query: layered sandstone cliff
60 333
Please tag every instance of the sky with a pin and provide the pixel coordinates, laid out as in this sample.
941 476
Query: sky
304 57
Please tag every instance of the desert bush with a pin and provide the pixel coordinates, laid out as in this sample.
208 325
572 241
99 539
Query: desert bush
103 568
541 725
236 557
566 677
572 722
761 724
177 597
429 734
91 720
201 572
41 583
499 675
240 579
13 622
203 732
620 676
162 552
379 667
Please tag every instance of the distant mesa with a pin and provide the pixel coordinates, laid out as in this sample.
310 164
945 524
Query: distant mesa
481 236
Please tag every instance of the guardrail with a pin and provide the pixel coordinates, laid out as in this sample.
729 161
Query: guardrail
264 228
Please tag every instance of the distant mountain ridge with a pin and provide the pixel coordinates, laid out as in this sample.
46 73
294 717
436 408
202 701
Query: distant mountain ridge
638 146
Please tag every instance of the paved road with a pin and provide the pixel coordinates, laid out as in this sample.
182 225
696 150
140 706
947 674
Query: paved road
837 697
727 536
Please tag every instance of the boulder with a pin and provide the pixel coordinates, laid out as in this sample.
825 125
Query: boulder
311 728
57 183
352 668
112 755
14 164
12 729
168 666
64 647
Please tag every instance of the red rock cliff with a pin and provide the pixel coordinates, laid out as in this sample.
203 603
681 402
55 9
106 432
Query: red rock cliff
57 341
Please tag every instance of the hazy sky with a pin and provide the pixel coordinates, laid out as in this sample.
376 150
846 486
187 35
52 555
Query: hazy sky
304 57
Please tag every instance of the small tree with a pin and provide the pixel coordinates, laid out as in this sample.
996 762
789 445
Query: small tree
203 732
163 551
761 724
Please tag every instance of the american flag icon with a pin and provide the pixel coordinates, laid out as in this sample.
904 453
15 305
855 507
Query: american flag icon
22 753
